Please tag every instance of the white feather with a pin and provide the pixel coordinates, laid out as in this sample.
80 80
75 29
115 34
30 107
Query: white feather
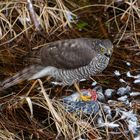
44 72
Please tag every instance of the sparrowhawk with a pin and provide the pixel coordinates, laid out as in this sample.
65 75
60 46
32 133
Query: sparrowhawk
67 61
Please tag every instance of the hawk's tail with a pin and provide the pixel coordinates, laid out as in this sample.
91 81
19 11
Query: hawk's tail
25 74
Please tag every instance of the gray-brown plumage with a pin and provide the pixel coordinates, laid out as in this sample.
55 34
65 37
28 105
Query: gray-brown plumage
67 61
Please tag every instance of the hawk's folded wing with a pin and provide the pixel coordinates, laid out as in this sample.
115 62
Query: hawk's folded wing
68 54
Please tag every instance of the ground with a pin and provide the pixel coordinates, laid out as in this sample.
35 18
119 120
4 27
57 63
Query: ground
28 113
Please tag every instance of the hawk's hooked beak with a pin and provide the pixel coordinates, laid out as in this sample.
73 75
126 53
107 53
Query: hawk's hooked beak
108 53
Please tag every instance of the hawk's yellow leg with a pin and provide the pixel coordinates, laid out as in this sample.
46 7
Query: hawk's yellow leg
82 97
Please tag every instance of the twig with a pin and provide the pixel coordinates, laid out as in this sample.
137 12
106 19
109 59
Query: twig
33 16
51 108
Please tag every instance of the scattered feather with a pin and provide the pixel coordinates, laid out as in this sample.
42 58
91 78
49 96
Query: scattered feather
132 125
137 76
123 98
100 121
112 102
94 83
132 121
82 139
126 114
109 125
100 96
130 75
107 109
123 90
69 16
117 73
108 93
128 63
98 89
137 81
137 138
122 80
134 93
22 21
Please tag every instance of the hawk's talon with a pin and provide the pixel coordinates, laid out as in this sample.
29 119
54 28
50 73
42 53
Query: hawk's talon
85 98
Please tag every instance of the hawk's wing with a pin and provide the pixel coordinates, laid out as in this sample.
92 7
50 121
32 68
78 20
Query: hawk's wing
68 54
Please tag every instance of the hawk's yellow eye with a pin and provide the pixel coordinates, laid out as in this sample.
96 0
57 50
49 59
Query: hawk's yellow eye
102 49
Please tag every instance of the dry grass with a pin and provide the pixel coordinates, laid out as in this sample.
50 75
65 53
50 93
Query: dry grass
18 17
125 16
6 135
38 117
127 21
62 123
27 112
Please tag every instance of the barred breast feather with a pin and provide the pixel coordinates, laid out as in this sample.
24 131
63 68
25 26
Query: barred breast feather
97 65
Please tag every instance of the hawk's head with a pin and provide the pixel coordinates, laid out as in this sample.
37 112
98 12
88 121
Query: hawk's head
104 47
